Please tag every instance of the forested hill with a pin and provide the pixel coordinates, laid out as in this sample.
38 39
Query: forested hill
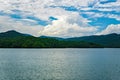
14 39
110 40
10 34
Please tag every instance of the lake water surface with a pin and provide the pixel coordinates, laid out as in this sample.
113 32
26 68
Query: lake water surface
59 64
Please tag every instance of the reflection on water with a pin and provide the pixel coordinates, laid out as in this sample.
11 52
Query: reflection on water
59 64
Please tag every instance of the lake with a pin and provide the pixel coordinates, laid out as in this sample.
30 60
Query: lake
60 64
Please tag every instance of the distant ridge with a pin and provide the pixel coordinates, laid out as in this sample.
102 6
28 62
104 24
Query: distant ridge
12 33
14 39
109 40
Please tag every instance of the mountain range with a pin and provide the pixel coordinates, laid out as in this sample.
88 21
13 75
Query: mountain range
14 39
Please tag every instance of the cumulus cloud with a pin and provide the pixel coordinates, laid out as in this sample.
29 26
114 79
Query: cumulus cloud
111 29
72 25
67 23
69 26
6 24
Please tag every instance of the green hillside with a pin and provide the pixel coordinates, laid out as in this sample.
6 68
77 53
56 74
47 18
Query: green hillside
13 39
110 40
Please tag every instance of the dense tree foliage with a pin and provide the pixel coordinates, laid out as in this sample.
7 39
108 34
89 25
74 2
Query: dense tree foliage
13 39
33 42
109 41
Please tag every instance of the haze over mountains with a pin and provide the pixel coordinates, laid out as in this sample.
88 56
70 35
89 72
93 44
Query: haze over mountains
14 39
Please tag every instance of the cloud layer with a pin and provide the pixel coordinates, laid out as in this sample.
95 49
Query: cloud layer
60 18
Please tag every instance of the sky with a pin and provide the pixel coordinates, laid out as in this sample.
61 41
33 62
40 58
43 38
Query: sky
60 18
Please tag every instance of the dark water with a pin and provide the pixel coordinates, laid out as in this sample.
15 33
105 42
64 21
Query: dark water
59 64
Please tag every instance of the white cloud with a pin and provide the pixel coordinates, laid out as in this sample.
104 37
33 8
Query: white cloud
113 6
111 29
117 17
6 23
101 14
40 8
68 26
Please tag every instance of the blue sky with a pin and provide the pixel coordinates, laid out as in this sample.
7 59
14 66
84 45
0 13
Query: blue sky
60 18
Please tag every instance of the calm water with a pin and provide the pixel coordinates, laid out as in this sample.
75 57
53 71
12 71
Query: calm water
59 64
